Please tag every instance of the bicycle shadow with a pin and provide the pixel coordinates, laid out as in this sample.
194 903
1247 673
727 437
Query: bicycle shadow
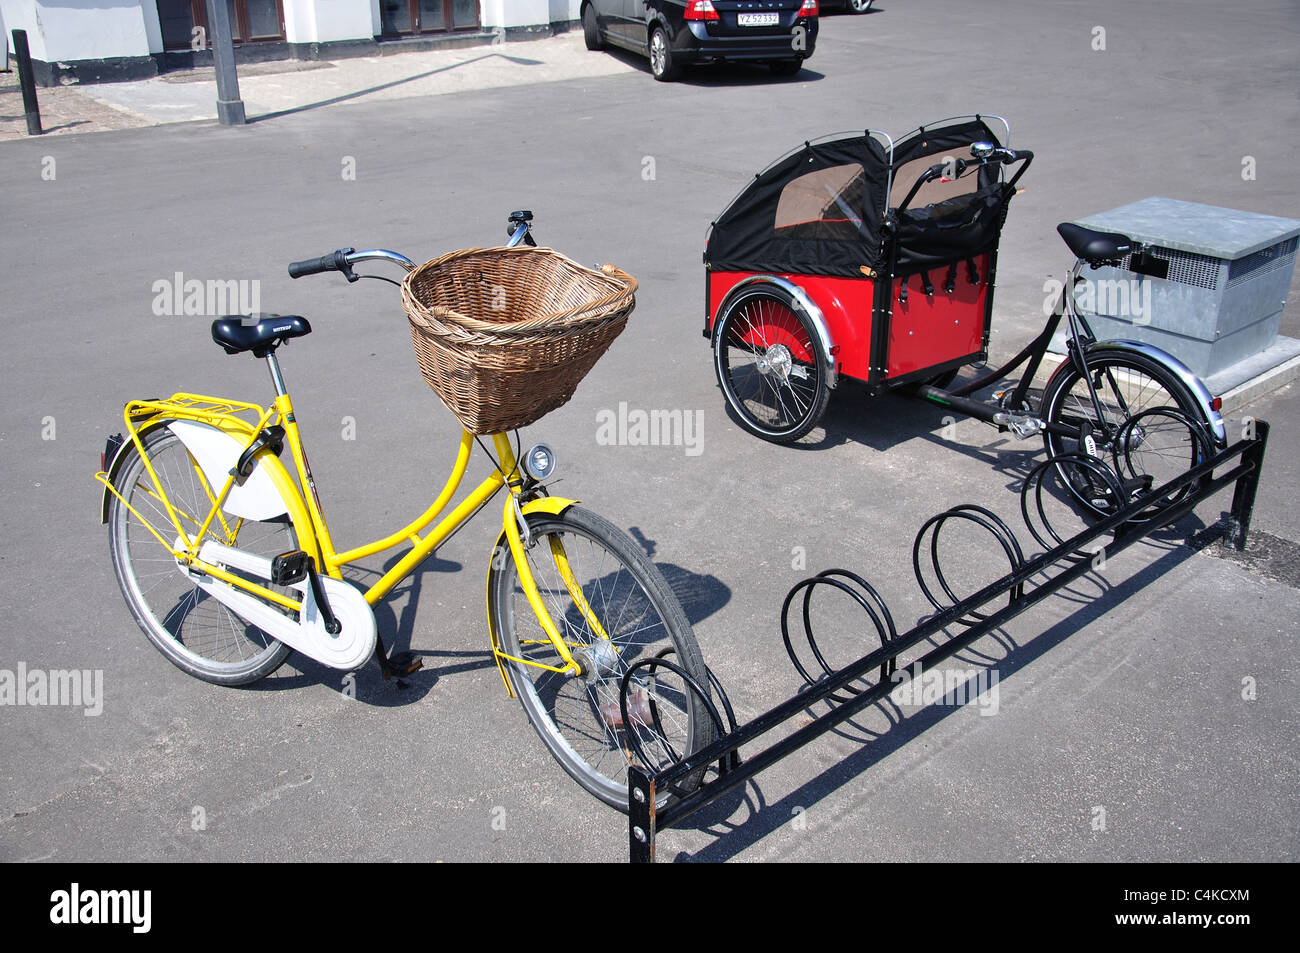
885 420
700 595
395 621
884 727
396 628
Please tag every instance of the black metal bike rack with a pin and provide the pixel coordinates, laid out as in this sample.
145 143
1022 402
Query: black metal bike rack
1071 557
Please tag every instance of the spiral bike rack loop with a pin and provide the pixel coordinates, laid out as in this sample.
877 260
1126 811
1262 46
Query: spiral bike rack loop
885 628
980 517
661 661
1068 467
1034 579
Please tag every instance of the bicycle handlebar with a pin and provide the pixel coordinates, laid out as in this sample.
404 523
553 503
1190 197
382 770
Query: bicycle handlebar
957 167
342 260
334 261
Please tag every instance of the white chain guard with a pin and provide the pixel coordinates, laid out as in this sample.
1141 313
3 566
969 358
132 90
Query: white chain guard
350 649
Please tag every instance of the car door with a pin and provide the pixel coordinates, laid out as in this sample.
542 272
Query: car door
609 17
635 14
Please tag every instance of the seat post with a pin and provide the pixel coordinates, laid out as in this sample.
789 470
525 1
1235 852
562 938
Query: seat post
276 378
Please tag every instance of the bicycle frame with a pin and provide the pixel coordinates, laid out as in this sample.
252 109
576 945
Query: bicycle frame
1079 340
277 424
308 518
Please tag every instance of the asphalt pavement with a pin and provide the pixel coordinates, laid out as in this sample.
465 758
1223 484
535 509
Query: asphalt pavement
1147 714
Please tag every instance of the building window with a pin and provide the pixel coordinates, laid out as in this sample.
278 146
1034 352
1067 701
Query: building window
251 21
408 17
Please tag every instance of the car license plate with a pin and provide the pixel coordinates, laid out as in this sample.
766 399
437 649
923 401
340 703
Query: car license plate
758 19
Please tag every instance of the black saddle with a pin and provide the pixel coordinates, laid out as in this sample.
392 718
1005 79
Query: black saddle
1094 246
259 333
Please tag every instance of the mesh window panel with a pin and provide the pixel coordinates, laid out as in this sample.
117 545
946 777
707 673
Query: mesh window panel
822 204
1262 262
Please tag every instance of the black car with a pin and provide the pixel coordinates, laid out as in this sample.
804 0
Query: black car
852 6
675 33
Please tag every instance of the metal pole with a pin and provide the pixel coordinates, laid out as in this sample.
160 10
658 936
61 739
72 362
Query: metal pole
28 83
230 108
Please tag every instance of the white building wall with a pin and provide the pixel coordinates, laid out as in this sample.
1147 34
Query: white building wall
323 21
510 13
84 31
64 30
152 28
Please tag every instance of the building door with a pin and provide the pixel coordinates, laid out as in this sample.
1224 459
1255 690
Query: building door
408 17
251 21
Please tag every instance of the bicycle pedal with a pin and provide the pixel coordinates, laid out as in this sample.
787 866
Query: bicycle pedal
291 567
403 664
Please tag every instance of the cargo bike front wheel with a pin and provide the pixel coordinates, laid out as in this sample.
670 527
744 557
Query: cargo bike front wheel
770 364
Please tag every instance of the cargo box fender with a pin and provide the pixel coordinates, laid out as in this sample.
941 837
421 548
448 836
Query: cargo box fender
801 302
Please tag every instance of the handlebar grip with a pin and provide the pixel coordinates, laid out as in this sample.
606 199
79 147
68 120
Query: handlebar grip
334 261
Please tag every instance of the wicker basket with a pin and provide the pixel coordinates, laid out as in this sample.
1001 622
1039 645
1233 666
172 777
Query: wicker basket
504 335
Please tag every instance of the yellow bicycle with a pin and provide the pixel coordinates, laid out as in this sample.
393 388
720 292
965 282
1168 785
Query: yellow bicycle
228 565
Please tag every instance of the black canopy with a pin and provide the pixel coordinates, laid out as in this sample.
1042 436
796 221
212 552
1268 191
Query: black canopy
826 208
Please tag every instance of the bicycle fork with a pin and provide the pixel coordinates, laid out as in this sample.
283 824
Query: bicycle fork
518 538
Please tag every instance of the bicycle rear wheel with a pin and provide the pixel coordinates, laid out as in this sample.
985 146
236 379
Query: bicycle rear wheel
1146 448
193 630
613 610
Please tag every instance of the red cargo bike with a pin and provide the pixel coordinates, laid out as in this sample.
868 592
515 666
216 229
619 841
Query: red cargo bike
857 256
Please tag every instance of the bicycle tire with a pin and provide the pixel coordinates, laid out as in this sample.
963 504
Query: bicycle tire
575 715
1128 385
189 627
770 365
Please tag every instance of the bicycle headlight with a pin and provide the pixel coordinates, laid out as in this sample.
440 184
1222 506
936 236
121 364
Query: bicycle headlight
539 462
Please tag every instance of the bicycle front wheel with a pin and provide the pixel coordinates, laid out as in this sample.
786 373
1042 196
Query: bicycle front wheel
613 609
1146 448
192 629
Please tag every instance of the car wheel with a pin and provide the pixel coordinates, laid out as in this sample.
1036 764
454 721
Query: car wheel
860 6
590 30
662 64
786 67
